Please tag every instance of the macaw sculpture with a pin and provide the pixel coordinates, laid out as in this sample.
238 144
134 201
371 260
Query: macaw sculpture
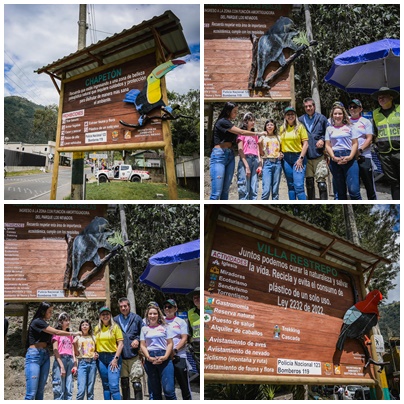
358 321
150 97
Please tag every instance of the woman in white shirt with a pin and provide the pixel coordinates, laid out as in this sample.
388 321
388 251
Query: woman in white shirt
156 343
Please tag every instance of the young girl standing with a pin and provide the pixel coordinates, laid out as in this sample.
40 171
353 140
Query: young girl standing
65 362
270 150
249 163
87 364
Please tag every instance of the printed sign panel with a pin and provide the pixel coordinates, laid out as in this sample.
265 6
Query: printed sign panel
273 312
93 106
229 51
35 251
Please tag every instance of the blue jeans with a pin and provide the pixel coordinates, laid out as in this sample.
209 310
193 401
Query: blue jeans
221 172
248 186
346 176
160 376
271 178
109 378
86 374
37 365
294 179
63 386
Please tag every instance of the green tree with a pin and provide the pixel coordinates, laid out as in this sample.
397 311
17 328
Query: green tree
338 28
151 228
377 228
45 123
186 131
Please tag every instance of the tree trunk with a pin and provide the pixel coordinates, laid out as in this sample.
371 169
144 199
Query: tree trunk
130 294
350 224
352 235
315 93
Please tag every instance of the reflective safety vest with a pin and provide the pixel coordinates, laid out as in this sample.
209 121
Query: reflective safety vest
195 322
388 128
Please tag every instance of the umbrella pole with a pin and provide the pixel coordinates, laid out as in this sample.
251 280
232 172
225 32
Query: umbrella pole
385 72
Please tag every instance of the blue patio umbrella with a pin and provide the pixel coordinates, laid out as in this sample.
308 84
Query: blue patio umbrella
366 68
175 269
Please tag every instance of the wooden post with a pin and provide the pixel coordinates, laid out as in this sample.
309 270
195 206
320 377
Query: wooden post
378 386
107 288
212 213
209 113
167 136
55 172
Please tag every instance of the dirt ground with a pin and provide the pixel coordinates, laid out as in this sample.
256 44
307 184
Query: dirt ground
14 376
382 190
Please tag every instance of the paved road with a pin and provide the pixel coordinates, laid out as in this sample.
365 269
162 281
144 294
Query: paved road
37 186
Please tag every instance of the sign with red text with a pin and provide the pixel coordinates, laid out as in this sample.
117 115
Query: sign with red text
229 51
272 312
93 106
35 251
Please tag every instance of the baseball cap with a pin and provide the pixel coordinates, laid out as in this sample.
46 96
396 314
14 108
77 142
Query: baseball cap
104 308
171 301
288 109
357 102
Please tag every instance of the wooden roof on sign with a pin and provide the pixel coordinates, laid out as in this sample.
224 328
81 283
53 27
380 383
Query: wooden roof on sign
139 39
268 222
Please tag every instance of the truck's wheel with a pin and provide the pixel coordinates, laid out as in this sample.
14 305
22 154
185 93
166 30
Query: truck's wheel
102 178
135 178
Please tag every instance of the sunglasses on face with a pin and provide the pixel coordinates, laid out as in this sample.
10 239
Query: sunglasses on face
353 106
168 307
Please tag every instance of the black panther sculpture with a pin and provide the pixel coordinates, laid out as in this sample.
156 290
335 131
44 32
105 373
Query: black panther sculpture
271 46
86 245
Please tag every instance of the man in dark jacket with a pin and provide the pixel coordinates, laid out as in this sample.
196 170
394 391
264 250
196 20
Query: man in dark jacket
315 125
131 325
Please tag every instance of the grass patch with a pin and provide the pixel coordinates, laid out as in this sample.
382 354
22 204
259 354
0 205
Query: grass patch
18 173
134 191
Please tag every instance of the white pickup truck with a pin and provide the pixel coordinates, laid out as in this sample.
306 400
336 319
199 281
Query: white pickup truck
122 172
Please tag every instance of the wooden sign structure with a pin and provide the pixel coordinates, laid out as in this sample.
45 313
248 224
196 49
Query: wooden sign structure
273 312
35 252
94 82
93 106
229 52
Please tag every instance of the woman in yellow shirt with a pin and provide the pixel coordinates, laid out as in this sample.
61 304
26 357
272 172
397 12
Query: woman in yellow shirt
109 345
294 142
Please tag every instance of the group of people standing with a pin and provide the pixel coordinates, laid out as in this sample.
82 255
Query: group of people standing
306 148
121 348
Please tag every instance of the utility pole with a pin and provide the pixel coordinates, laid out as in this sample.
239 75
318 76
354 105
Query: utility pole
315 93
77 188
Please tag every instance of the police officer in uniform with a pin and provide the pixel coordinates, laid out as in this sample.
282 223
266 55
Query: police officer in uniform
387 128
195 324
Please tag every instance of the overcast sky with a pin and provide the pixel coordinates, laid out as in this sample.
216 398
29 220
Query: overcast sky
37 35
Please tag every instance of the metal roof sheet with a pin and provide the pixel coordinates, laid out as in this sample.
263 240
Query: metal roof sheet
136 40
269 222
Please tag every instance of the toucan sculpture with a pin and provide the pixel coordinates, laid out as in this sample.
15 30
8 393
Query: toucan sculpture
150 97
358 321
